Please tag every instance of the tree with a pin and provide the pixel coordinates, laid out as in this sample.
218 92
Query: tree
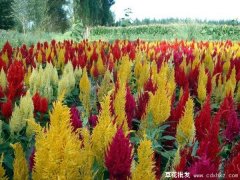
21 13
6 18
57 16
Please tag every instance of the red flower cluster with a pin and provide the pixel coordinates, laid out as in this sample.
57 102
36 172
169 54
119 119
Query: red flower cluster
40 103
118 157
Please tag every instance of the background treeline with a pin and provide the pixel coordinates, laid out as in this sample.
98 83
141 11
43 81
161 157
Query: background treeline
53 15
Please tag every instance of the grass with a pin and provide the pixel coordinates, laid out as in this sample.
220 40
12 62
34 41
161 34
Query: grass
186 31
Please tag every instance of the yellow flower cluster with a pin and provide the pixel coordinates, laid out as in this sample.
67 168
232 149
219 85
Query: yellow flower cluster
103 132
67 82
20 165
85 91
3 80
186 128
2 170
202 83
43 81
21 114
145 166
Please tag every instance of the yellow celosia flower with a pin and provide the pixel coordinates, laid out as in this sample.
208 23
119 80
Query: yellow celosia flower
43 81
32 127
2 170
106 86
27 76
85 91
67 82
186 128
100 66
20 165
103 132
61 58
202 83
119 107
21 113
238 93
58 152
145 167
159 106
160 103
171 84
124 71
5 58
144 75
3 80
87 157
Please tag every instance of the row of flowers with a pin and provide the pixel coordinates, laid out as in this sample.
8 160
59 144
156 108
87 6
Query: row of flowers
120 110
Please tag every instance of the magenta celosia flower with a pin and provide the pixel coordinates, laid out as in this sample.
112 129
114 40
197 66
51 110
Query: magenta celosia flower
233 126
75 119
129 107
93 120
203 166
118 157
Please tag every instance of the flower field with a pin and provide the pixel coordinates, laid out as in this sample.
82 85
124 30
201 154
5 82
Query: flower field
120 110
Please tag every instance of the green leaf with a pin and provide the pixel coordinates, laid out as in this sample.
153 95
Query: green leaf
168 138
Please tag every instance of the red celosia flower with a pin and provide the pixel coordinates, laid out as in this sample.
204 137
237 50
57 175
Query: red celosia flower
180 77
40 103
141 105
15 77
118 157
203 121
232 167
210 145
7 108
150 86
75 118
233 126
130 107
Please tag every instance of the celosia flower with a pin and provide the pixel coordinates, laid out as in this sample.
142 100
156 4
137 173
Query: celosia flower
233 126
232 167
57 151
145 166
129 107
3 80
203 166
85 90
186 128
159 105
75 118
93 120
40 103
202 83
141 105
118 158
7 109
119 107
21 113
20 165
103 132
15 78
203 121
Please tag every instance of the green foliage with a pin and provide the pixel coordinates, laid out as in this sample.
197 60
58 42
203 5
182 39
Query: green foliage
77 31
6 20
168 32
93 12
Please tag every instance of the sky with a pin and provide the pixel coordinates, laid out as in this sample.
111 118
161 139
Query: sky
194 9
